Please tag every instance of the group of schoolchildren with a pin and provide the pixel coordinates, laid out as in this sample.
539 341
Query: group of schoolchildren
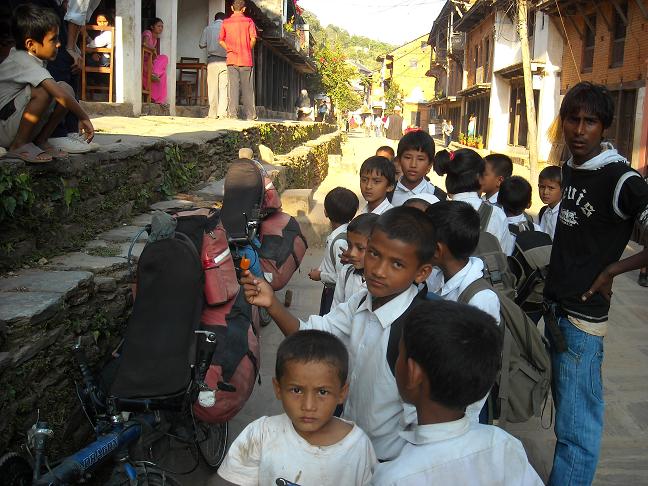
370 398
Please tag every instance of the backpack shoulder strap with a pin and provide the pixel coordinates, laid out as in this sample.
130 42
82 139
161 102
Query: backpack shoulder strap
473 289
341 236
543 210
348 275
514 229
485 211
440 194
529 221
396 329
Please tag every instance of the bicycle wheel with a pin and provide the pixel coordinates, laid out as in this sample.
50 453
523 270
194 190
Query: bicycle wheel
15 470
212 442
146 474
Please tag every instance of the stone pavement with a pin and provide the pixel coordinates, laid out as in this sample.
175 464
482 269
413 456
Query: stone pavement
625 443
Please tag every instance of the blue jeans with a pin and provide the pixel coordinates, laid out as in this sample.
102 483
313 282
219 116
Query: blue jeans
577 387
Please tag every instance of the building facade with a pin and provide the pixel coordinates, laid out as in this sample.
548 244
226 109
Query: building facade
607 43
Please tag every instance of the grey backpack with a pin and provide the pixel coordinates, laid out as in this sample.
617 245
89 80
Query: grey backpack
496 268
522 385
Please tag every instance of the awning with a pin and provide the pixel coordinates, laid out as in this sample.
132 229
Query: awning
516 71
447 100
475 89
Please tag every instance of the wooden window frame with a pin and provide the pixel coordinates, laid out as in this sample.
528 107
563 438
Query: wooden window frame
588 51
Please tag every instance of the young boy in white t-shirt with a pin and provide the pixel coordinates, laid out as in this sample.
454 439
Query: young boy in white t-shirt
515 198
449 355
377 180
351 276
307 444
550 191
32 104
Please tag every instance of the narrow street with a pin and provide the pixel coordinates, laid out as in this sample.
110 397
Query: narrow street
625 441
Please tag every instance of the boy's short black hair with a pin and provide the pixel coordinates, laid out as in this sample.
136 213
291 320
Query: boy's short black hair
381 165
313 345
458 346
362 224
417 140
463 169
388 149
408 225
551 173
341 204
32 22
501 164
591 98
457 226
515 195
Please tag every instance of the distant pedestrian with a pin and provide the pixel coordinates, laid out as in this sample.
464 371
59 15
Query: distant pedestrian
472 125
395 125
216 67
304 106
378 125
238 37
368 125
447 134
322 111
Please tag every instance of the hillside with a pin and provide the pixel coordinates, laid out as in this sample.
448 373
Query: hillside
360 48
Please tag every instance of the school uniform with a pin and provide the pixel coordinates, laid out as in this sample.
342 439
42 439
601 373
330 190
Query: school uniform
269 448
459 452
486 300
381 208
516 220
492 200
335 244
402 193
348 283
549 220
373 402
497 225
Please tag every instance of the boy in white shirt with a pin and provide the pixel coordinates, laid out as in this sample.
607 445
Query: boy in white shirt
515 198
464 170
306 444
457 228
351 276
416 155
397 259
550 190
340 206
498 168
449 356
377 180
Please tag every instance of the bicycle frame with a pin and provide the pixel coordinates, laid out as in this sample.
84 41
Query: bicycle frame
77 465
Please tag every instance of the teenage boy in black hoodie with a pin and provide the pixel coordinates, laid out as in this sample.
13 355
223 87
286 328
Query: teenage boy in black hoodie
602 198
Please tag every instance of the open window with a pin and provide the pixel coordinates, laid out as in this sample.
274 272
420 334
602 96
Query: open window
588 44
618 35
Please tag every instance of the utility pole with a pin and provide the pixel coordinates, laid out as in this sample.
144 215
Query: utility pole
532 138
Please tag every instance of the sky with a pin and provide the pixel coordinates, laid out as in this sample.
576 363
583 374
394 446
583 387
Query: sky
392 21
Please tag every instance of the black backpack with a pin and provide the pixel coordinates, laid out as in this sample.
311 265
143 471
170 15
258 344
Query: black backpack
529 264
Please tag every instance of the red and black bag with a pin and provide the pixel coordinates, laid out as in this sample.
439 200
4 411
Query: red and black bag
283 247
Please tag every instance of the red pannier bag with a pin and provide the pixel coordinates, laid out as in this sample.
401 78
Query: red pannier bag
283 247
236 358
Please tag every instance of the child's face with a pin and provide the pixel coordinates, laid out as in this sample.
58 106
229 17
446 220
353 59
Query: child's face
102 20
309 392
46 50
550 192
391 266
374 187
398 170
357 245
415 165
490 182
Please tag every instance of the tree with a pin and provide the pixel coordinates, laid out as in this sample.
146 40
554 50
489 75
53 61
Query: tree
333 76
393 96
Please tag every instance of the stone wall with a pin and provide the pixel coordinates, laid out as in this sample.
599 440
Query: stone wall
49 304
58 206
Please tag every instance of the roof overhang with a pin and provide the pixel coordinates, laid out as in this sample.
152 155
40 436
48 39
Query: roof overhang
475 89
447 100
474 16
302 63
516 71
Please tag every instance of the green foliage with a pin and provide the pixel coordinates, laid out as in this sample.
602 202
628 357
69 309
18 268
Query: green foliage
393 96
334 75
71 194
15 193
360 48
178 174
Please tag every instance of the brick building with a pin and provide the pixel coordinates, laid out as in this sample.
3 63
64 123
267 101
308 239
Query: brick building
607 43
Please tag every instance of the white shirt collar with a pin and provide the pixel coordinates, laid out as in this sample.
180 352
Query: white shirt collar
473 266
464 196
422 186
425 434
340 229
553 210
381 208
389 312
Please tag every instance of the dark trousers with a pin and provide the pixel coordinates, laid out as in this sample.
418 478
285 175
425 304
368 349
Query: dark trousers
240 83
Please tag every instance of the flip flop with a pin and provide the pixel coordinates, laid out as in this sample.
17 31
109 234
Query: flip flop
56 153
30 153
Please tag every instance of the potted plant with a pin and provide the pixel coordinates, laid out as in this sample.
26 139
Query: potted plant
480 142
462 138
470 141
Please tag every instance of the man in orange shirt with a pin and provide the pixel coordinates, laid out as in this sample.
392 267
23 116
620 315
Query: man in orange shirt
238 36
